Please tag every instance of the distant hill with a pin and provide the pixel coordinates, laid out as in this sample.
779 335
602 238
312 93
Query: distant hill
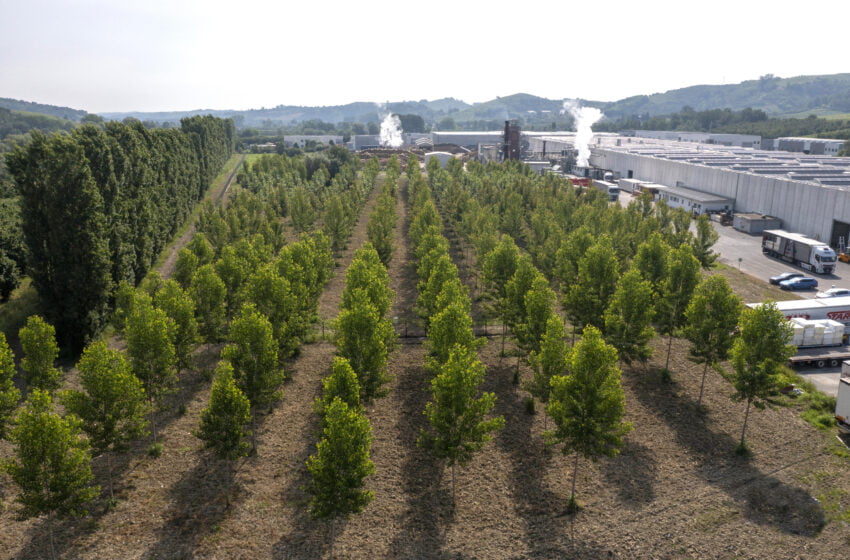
52 110
778 97
802 95
362 112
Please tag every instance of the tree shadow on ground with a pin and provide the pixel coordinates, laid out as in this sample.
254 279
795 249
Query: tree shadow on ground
67 532
200 501
634 472
547 525
764 499
430 508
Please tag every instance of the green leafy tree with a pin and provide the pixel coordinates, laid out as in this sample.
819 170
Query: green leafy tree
450 327
180 308
499 266
710 321
651 260
340 384
683 275
587 406
703 241
38 340
224 422
550 360
150 346
209 294
9 394
185 266
456 414
112 404
361 338
758 355
301 208
590 295
539 307
341 464
628 318
52 465
253 353
367 272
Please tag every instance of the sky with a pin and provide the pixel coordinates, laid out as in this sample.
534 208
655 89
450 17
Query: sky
163 55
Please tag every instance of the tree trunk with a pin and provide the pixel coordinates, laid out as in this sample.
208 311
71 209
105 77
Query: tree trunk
669 346
453 484
109 474
50 532
504 332
702 385
575 475
746 417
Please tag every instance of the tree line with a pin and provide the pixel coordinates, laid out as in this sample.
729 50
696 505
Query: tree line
99 204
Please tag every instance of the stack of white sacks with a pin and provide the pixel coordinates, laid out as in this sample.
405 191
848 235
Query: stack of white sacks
817 332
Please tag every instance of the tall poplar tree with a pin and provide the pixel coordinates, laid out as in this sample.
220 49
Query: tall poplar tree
628 318
758 355
456 414
710 321
587 406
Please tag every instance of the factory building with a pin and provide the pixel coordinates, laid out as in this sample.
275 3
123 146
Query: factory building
742 140
695 202
810 194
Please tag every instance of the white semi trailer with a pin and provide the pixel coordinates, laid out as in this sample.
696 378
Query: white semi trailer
805 252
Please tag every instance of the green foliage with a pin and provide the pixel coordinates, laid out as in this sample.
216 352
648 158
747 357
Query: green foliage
682 278
38 341
651 260
225 420
588 405
703 241
253 354
456 414
758 355
500 265
539 307
341 464
209 294
450 327
9 394
361 337
590 295
180 308
340 384
710 321
150 346
628 318
112 404
550 360
52 465
368 273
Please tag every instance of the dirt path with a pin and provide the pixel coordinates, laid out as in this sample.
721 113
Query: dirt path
167 267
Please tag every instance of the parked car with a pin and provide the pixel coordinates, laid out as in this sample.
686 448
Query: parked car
799 283
833 292
785 276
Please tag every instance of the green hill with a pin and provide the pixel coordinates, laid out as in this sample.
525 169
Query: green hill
42 109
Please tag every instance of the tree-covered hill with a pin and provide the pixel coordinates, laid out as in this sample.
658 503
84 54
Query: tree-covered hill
42 109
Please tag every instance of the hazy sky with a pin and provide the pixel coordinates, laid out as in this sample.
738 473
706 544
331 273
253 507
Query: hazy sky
153 55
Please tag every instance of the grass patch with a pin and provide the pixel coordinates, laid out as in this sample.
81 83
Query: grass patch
710 521
815 407
23 302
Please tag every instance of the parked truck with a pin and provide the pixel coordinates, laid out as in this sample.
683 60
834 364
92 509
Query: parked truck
612 190
805 252
818 334
842 401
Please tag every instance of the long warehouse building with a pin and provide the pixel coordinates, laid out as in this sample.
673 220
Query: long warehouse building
810 194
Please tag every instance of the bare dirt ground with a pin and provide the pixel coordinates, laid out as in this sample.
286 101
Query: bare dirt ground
676 491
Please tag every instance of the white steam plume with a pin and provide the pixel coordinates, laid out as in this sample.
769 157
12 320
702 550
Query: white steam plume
584 118
391 132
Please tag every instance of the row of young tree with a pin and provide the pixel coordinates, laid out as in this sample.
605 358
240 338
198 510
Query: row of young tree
99 204
630 273
261 310
459 421
364 338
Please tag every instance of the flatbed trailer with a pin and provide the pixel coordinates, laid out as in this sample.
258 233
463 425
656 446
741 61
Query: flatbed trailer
819 357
